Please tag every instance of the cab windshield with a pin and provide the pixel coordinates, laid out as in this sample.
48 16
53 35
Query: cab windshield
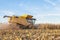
32 21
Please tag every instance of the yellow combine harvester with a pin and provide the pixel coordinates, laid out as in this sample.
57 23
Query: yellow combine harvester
24 21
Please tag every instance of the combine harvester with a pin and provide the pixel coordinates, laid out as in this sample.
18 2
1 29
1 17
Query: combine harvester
22 22
26 22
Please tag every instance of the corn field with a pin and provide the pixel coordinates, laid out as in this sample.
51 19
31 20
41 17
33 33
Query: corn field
30 34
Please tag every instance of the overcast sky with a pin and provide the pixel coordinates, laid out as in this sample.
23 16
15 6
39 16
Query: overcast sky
45 11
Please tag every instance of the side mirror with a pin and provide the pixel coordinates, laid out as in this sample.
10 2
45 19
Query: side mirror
4 16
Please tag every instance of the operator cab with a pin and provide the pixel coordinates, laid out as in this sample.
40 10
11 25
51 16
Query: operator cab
32 20
29 18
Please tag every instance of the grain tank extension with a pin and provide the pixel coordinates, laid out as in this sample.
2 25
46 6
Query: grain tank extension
24 21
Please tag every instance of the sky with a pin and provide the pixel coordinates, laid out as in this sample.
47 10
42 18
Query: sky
45 11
